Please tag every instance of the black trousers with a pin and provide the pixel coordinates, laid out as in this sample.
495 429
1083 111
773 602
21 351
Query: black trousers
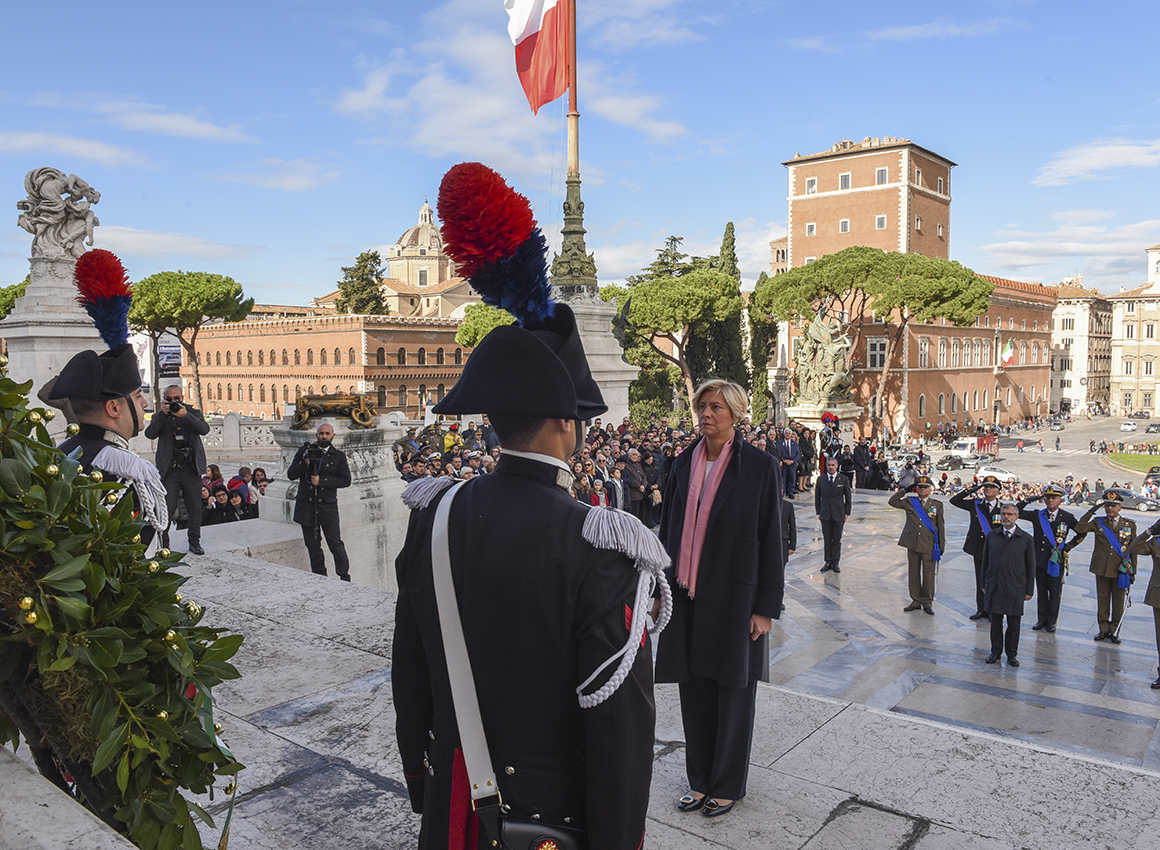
186 481
832 540
718 725
1049 591
1011 644
979 583
312 535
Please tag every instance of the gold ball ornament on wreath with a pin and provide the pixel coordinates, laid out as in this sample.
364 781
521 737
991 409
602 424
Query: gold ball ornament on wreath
72 429
96 477
163 715
217 727
153 566
31 618
51 469
177 598
3 359
49 415
25 603
231 788
163 553
137 538
111 499
170 636
33 417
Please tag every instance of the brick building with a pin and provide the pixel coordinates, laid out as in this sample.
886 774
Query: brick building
883 193
260 368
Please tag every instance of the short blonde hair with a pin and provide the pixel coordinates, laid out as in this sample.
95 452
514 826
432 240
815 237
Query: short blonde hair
733 395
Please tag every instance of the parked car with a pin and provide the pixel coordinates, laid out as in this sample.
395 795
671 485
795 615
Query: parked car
1058 426
1152 428
1132 499
998 471
1127 426
949 462
901 460
1140 414
1153 476
975 461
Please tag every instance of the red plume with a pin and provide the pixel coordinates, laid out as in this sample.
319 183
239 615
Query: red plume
99 274
483 219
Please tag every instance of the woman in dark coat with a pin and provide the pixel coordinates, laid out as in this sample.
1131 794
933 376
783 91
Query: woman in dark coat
721 523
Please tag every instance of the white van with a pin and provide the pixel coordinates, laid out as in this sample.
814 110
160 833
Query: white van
965 447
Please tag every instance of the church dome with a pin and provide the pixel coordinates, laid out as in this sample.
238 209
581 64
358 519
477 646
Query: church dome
422 239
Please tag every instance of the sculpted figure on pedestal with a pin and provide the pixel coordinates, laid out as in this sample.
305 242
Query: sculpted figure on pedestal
58 213
822 370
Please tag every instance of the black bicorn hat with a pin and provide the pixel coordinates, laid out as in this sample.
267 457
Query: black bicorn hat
536 372
98 377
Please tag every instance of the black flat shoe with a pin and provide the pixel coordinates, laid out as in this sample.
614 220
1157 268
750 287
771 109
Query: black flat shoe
826 568
1012 662
1115 639
928 609
913 606
1101 636
992 658
979 615
689 803
713 808
1038 626
1156 685
837 569
1051 629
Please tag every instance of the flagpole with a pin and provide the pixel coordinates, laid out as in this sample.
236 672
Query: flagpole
573 111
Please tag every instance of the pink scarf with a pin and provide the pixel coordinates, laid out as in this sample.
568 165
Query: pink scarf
697 508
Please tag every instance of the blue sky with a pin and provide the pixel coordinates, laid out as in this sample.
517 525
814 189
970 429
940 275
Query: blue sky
274 141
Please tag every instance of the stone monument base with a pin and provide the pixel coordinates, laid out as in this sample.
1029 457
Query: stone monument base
810 415
612 374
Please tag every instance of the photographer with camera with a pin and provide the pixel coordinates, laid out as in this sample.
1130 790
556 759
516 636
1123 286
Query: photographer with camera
323 470
178 430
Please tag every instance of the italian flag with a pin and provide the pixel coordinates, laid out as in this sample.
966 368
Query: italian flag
539 30
1008 355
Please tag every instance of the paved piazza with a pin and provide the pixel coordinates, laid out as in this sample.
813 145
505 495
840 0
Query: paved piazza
846 636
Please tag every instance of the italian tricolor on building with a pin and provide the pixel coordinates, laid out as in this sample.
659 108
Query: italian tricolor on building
1008 355
539 30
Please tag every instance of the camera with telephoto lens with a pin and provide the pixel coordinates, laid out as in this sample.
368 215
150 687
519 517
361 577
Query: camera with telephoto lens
174 407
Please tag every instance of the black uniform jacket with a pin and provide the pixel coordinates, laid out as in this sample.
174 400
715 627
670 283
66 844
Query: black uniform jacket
541 608
1043 546
1146 544
1008 572
977 534
333 473
742 571
90 439
164 427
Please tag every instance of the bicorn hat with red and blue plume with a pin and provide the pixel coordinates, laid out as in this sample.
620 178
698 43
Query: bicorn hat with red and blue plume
537 367
104 292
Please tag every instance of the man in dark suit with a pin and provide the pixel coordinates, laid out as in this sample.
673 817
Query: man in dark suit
984 517
1050 527
832 501
790 453
1111 559
1009 575
178 429
323 471
924 538
862 463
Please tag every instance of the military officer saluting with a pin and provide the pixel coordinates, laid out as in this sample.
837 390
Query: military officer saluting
1148 543
984 517
1113 563
1051 526
924 538
548 589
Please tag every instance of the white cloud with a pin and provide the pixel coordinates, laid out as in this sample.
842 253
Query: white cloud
297 175
53 143
1084 162
178 124
636 112
150 243
641 23
937 30
1105 255
371 99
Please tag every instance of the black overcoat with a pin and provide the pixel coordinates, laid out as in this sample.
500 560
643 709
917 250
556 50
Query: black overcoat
333 474
164 427
541 609
742 571
1008 572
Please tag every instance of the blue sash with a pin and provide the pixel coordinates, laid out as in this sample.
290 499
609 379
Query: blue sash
1125 565
1056 551
984 523
922 514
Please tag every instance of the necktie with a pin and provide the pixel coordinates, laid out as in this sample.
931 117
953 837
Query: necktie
831 479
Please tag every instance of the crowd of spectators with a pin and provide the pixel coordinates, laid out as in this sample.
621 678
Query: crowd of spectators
230 501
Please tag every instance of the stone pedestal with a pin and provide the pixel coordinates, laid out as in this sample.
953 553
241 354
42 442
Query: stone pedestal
372 517
810 415
47 327
605 356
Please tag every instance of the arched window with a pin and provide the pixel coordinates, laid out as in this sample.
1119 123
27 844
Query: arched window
954 402
381 357
218 358
942 354
967 353
285 393
942 406
273 357
984 399
285 358
978 349
261 357
219 392
954 359
324 389
965 408
422 355
1035 352
439 356
310 357
229 392
249 358
403 396
350 358
322 356
922 405
458 357
228 359
337 357
239 360
402 357
382 397
439 391
262 393
250 393
924 354
297 392
975 400
1022 354
297 358
209 392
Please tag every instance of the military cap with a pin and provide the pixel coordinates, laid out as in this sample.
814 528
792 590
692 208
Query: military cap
923 481
1112 496
1052 490
991 481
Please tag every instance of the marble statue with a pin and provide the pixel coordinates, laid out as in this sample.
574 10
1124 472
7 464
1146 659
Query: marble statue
822 370
58 213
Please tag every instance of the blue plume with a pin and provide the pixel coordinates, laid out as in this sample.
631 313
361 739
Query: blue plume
519 283
111 316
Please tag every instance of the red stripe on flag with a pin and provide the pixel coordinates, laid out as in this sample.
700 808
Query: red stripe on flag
541 58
